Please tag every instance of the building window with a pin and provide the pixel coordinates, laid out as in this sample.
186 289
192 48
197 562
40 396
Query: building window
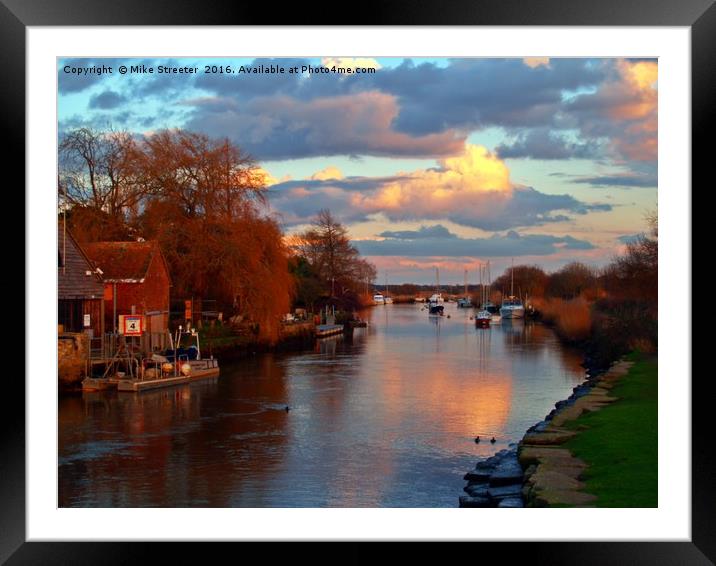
69 315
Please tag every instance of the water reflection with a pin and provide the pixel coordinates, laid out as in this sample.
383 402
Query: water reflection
386 417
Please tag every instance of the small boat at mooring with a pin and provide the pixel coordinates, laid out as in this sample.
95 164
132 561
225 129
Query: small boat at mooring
512 307
483 317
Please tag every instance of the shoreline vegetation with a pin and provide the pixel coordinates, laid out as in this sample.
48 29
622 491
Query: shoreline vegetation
598 448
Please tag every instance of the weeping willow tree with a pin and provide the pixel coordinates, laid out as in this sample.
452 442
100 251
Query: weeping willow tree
209 211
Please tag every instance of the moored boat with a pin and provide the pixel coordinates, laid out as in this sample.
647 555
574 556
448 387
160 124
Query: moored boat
435 301
464 302
484 316
435 308
512 306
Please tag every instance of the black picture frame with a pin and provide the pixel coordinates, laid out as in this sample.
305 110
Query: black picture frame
17 15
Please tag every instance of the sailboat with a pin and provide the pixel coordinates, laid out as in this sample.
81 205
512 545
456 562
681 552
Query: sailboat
491 307
512 306
464 302
483 317
435 301
387 299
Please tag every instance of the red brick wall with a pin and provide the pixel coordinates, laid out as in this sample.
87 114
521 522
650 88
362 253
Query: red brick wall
151 295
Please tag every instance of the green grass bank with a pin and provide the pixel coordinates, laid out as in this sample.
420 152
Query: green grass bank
619 442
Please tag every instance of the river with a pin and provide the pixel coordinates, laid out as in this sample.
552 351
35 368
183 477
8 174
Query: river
386 418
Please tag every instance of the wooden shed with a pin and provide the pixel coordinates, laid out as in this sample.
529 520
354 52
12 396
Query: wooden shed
80 291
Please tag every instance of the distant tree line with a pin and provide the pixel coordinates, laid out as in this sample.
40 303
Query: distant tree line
615 308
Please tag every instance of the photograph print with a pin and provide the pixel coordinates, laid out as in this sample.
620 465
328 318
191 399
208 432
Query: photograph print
357 282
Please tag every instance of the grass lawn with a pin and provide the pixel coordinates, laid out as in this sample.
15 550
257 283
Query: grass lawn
619 443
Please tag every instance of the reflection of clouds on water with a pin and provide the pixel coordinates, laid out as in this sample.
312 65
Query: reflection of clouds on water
385 419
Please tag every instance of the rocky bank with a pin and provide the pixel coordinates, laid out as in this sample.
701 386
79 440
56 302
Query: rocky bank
539 471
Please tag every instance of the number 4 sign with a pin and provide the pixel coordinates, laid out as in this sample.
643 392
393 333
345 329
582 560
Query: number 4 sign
133 325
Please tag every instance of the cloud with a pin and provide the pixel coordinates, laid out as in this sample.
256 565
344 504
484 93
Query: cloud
557 108
106 100
408 110
472 189
533 62
351 62
282 127
498 245
631 238
437 231
624 109
329 172
543 143
627 180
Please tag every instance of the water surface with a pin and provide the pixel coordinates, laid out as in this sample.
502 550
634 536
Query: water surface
385 419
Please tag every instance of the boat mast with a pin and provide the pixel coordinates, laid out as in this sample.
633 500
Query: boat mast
512 284
489 281
465 283
482 289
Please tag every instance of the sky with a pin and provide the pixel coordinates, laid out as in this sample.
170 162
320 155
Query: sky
430 163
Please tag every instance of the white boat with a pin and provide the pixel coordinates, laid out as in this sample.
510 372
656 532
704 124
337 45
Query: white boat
387 300
512 307
436 298
378 299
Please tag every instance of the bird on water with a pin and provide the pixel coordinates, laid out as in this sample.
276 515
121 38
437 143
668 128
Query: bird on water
477 440
492 440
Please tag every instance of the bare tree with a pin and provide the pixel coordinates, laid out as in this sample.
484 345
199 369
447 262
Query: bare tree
101 170
328 248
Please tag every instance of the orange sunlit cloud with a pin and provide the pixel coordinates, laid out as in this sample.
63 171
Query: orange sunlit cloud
329 172
466 179
534 62
638 95
351 62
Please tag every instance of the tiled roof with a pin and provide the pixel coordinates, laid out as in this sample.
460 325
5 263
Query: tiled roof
122 261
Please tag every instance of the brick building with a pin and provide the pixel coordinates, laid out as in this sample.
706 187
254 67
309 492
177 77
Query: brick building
136 281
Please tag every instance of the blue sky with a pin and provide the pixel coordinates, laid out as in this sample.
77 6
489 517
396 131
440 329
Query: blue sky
430 162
